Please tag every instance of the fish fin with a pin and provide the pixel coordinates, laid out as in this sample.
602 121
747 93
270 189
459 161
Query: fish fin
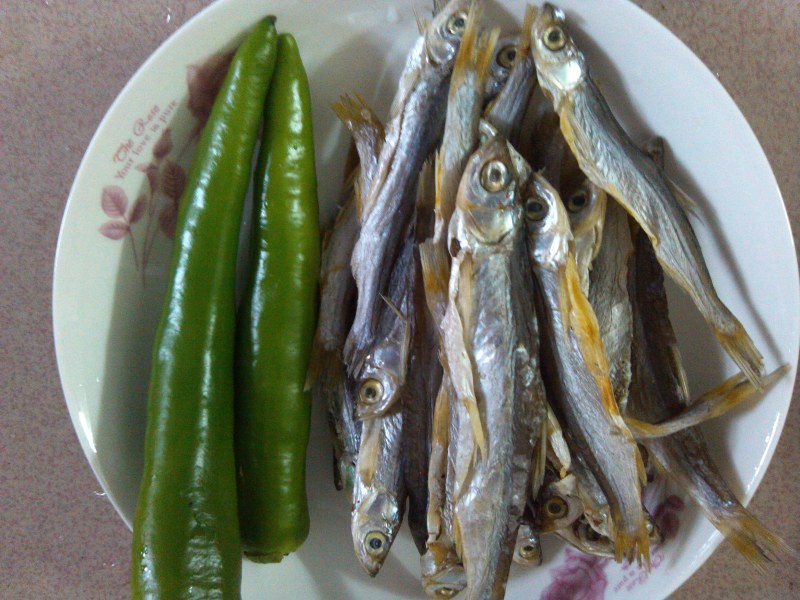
750 537
364 126
526 37
630 546
422 22
656 149
712 404
583 322
435 275
438 6
467 50
368 451
680 373
686 202
393 307
555 436
485 54
438 466
323 363
457 355
426 186
539 461
743 351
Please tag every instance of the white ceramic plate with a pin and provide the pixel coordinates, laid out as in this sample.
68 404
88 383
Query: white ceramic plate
113 250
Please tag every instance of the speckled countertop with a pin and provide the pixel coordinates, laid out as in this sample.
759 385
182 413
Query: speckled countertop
62 63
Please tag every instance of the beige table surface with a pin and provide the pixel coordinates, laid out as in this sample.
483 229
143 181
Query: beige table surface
62 63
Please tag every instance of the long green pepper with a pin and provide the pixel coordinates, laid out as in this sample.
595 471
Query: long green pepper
276 322
186 534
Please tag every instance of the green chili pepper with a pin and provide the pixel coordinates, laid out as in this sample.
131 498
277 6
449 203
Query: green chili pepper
276 322
186 535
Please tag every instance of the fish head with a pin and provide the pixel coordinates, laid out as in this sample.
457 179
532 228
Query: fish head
586 207
503 57
443 35
560 65
374 527
488 193
549 235
558 506
528 548
383 374
590 541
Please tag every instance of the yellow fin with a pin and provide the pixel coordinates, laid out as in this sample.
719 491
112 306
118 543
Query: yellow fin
583 322
743 351
457 355
368 451
710 405
539 460
750 537
438 466
526 37
686 202
435 276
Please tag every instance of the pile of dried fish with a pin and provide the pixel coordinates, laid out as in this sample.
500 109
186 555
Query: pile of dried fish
494 344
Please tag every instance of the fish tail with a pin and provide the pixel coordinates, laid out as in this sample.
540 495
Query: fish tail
715 402
468 49
526 37
750 537
323 364
743 351
359 119
631 545
485 53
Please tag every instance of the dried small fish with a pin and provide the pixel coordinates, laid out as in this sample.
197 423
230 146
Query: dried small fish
503 57
612 162
415 128
608 295
657 393
491 348
575 370
507 110
379 495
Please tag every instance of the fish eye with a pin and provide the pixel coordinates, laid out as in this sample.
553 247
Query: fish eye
457 23
375 543
370 391
556 507
495 176
554 38
527 552
506 56
535 210
577 201
588 533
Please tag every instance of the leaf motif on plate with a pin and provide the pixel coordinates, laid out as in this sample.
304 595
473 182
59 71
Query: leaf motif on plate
173 180
138 209
115 230
114 201
163 145
168 219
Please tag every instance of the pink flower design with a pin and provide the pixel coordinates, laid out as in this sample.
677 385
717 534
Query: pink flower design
580 577
666 516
